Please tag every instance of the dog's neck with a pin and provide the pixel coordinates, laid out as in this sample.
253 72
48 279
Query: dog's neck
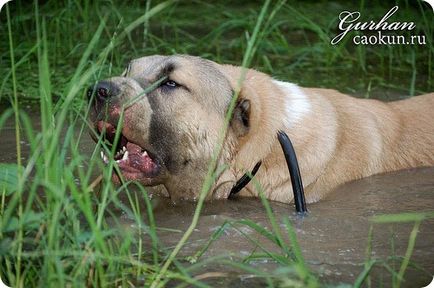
269 117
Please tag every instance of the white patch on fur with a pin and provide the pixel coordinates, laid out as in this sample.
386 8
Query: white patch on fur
297 104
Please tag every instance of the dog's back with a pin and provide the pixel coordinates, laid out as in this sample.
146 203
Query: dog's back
371 137
415 145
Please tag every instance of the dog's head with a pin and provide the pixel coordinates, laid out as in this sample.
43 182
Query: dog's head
168 112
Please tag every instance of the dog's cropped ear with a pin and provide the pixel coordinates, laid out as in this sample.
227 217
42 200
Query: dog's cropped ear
247 106
240 122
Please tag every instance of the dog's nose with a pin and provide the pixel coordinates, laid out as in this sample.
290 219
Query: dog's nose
102 91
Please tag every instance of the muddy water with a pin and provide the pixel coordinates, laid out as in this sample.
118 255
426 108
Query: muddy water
333 237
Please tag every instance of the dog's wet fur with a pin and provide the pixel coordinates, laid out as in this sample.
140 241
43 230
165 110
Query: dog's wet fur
174 109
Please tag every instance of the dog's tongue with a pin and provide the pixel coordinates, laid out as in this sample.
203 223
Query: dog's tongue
133 148
132 158
138 160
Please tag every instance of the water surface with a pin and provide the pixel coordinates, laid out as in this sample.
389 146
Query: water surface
333 237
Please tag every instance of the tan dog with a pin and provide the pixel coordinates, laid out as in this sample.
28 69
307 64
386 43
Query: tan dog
169 133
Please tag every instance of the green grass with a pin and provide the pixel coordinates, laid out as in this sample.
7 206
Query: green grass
295 46
53 223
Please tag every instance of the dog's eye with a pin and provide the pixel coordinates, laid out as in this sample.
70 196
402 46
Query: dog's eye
170 83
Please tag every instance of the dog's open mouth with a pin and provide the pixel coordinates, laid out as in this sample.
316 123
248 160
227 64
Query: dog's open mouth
135 162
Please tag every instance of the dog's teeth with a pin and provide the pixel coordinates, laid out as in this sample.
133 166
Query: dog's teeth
120 152
124 149
145 154
104 157
125 156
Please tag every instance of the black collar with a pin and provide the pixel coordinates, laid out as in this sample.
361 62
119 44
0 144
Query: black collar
294 172
243 181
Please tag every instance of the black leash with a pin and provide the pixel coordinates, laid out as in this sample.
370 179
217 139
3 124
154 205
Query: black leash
294 172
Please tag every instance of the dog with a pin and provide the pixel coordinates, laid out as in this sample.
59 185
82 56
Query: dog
171 112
